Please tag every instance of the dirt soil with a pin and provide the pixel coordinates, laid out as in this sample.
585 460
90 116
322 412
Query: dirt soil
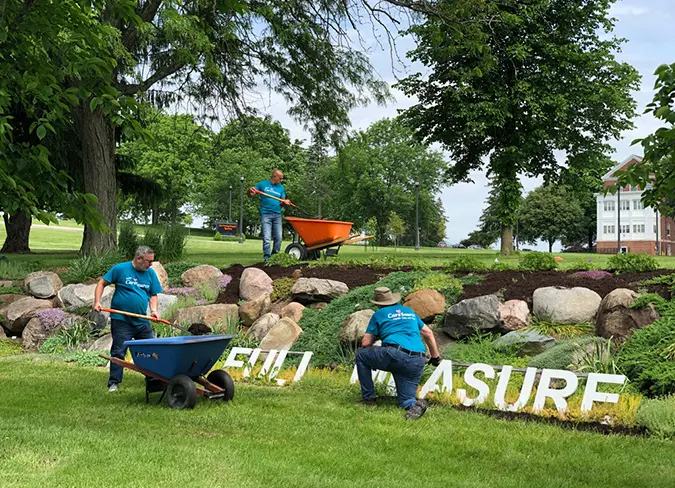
510 285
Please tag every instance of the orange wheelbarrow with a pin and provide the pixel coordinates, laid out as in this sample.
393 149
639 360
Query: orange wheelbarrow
320 235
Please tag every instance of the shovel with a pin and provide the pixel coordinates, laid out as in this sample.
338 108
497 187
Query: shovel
282 200
147 317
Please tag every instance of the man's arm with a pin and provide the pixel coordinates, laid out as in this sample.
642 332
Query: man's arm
251 191
154 304
368 340
98 292
429 338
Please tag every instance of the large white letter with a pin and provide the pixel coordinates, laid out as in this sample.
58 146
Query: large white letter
231 361
277 366
473 382
525 391
444 372
304 364
558 396
268 362
251 362
592 395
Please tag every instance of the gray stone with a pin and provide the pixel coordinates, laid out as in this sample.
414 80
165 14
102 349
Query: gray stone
101 320
162 275
281 336
565 305
17 315
7 300
263 325
471 315
318 306
72 297
253 283
531 341
426 303
354 326
515 315
252 310
164 303
194 277
617 320
34 334
103 343
43 284
220 314
6 284
307 290
2 333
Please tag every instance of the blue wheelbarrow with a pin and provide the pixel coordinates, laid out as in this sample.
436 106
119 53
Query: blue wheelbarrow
173 365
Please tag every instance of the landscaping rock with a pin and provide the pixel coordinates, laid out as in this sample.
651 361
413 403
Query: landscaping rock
2 333
617 320
297 274
164 303
565 305
103 343
263 325
426 303
43 284
515 315
468 316
252 310
17 315
6 284
162 275
72 297
531 342
101 320
308 290
6 300
253 283
354 326
318 306
194 277
282 336
34 334
208 314
293 311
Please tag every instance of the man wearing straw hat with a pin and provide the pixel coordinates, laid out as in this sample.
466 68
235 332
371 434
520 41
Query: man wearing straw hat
270 211
402 352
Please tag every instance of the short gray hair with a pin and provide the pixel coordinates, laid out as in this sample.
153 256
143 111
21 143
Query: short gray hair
142 251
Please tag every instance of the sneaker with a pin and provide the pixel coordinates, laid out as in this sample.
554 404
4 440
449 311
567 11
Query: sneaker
113 387
417 410
367 402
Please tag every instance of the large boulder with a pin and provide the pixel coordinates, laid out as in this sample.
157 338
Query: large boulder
426 303
35 333
530 342
308 290
293 311
194 277
565 305
3 335
17 315
616 319
43 284
6 300
515 315
354 326
471 315
253 283
220 313
252 310
6 284
162 275
103 343
72 297
281 336
164 304
263 325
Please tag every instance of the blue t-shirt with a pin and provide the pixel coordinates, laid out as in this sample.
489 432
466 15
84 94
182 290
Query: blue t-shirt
270 205
133 290
397 325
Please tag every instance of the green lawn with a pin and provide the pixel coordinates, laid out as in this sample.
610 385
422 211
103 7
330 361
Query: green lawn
59 427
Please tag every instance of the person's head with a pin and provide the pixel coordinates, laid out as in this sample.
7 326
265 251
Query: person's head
143 258
277 177
384 297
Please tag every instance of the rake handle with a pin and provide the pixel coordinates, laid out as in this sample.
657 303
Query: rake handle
273 197
138 316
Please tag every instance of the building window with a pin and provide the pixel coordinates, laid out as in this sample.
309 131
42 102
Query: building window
634 188
625 228
638 205
609 205
668 229
639 228
625 204
655 231
608 229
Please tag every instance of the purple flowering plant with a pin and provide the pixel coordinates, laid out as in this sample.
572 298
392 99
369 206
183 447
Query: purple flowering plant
52 318
185 291
224 281
596 274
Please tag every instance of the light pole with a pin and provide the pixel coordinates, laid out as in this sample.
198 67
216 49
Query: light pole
417 216
241 210
229 215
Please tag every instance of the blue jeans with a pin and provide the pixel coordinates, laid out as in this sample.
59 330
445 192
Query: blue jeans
271 229
124 331
406 370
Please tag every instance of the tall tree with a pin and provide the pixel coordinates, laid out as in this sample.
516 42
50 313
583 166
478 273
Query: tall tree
512 82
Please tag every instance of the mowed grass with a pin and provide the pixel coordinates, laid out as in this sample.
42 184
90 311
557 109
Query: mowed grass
59 427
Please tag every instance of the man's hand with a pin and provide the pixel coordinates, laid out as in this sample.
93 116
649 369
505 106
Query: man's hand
435 361
286 202
251 191
154 314
97 307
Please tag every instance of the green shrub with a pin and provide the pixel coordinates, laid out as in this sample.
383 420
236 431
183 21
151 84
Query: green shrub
471 279
175 270
174 238
500 267
561 355
667 280
450 287
127 242
91 266
153 239
465 264
14 270
68 338
582 265
85 358
8 347
282 289
658 416
217 236
481 348
282 259
643 301
562 331
9 290
601 358
537 261
632 263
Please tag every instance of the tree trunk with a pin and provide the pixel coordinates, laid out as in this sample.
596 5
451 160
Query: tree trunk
550 246
155 213
507 240
98 154
17 227
590 239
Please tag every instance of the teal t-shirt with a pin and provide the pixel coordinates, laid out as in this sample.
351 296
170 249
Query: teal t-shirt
270 205
397 325
133 290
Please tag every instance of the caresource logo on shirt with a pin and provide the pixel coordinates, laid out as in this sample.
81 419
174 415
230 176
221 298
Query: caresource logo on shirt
400 315
270 190
133 281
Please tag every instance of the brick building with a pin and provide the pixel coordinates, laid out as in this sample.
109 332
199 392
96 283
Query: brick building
642 229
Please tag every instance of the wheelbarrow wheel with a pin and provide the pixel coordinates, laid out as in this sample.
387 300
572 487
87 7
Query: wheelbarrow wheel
222 380
181 392
297 250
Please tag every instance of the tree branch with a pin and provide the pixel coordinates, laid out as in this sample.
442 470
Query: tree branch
158 75
148 12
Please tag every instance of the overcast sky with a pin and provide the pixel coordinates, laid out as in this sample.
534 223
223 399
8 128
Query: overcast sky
646 25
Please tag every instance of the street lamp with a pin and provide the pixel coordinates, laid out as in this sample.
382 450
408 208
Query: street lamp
241 210
417 216
229 215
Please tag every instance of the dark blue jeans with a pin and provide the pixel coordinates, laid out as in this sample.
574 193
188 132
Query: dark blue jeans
406 370
124 331
271 229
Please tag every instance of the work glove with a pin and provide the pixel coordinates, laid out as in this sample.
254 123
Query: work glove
435 361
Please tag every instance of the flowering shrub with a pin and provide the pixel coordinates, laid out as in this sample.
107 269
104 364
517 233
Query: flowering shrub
596 274
224 281
185 291
52 318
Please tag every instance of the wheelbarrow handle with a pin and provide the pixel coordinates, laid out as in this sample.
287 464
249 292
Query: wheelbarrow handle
273 197
138 316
